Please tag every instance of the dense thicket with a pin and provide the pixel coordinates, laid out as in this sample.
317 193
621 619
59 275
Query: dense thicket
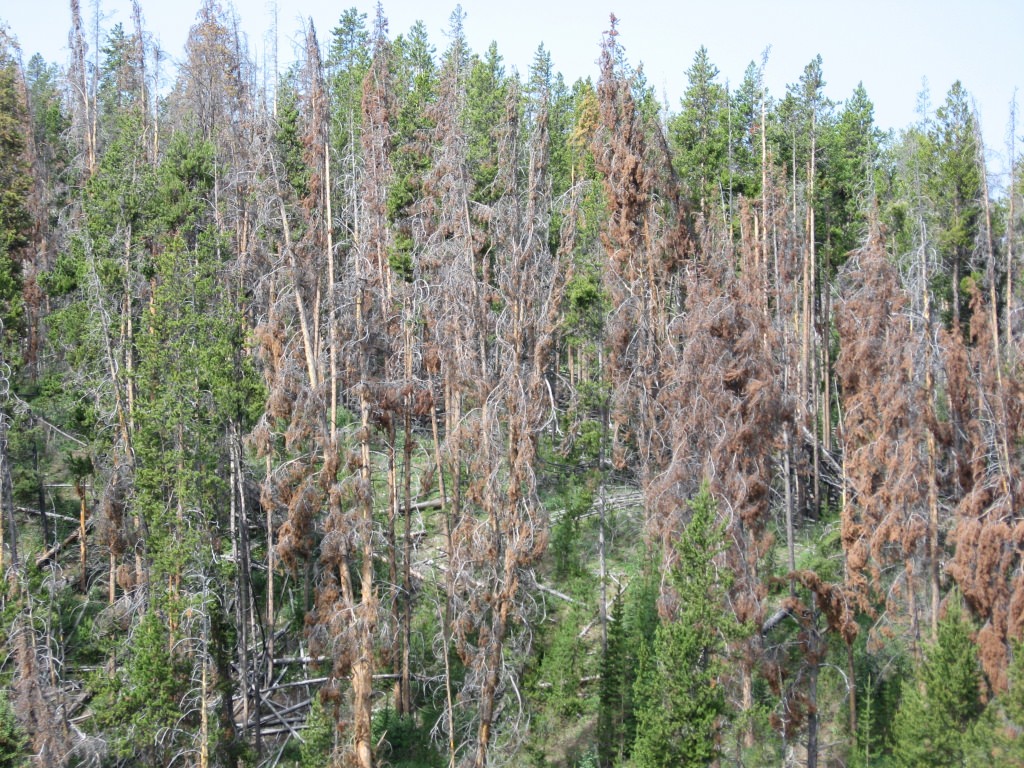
398 409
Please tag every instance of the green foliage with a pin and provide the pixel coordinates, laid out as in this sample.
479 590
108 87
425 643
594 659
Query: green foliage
401 194
14 743
318 736
190 367
943 701
415 84
486 94
586 305
50 123
564 664
879 674
140 708
680 698
405 743
288 138
996 740
850 159
416 81
15 184
118 198
400 256
699 132
546 89
953 182
744 172
631 630
121 77
348 60
576 499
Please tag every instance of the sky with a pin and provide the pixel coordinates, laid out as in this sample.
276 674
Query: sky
895 47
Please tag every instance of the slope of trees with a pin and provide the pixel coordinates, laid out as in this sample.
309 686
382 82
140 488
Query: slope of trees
411 412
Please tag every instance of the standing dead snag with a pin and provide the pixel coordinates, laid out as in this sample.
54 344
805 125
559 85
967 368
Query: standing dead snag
496 315
988 528
317 344
638 263
722 398
888 416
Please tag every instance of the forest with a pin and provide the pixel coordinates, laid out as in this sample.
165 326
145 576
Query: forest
394 409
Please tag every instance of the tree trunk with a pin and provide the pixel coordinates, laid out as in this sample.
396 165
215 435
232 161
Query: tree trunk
1010 233
362 669
6 498
405 697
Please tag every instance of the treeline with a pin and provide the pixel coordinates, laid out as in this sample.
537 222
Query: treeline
395 409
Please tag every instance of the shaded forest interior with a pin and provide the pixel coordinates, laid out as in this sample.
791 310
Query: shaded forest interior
395 409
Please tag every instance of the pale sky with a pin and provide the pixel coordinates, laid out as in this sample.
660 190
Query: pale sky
890 45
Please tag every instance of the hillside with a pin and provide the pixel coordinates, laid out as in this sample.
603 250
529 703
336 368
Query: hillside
398 410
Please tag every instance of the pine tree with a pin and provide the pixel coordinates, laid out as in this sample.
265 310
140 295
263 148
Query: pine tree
15 182
415 81
851 150
744 127
680 698
486 93
943 701
634 621
995 740
699 133
346 65
13 740
140 707
954 186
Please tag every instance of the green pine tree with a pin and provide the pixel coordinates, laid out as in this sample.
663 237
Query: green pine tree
954 187
13 739
139 709
15 182
680 700
700 133
943 702
995 741
851 149
631 629
743 175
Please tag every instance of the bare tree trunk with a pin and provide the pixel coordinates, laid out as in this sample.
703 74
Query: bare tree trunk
438 463
990 269
6 498
82 514
271 565
811 323
493 673
392 548
764 165
405 698
204 714
812 687
244 591
112 579
84 87
300 305
1010 232
787 471
362 669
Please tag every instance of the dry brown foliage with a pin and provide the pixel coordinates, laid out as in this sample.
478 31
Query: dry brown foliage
987 405
884 427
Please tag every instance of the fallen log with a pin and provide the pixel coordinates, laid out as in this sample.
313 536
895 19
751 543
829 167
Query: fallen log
59 547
